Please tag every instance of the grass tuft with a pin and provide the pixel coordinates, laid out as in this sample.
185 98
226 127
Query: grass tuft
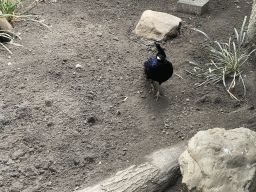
226 60
13 11
9 7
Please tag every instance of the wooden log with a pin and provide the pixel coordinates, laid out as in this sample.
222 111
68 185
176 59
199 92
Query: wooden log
161 170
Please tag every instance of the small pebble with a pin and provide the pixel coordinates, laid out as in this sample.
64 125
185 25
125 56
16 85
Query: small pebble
17 154
16 186
48 103
118 113
91 120
78 66
10 161
76 162
50 124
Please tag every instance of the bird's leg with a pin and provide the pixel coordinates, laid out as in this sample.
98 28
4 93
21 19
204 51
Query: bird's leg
158 93
152 86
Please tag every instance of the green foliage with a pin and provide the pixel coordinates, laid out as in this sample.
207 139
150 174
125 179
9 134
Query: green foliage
9 7
16 10
8 37
13 8
226 60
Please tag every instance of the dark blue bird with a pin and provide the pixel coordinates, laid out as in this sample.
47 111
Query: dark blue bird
158 68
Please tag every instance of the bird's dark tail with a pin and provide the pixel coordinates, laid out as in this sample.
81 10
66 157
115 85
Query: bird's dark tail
161 52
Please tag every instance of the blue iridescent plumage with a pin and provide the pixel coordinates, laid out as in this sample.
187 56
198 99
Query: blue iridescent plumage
152 61
158 68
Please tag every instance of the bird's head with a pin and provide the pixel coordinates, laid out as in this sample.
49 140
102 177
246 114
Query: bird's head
161 54
160 57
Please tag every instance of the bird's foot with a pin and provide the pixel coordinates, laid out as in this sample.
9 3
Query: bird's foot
152 88
158 95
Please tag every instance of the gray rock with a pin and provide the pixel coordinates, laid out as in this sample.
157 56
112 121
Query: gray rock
16 186
17 154
160 170
10 161
193 6
32 189
1 180
48 103
220 160
91 120
28 170
4 120
4 157
157 25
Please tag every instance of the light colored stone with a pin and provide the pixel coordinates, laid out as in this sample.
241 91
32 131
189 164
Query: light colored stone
220 160
193 6
78 66
158 26
4 157
17 154
160 170
251 31
5 27
4 24
16 186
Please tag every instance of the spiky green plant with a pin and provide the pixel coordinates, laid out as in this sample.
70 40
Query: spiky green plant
8 36
226 60
16 7
16 10
9 7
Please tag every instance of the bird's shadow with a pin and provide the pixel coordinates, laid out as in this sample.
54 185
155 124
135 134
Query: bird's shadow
159 106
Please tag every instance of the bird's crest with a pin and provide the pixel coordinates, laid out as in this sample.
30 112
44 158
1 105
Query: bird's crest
161 54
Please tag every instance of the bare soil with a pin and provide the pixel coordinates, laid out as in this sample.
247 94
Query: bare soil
64 127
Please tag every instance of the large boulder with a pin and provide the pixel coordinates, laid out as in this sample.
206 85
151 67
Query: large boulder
220 160
158 26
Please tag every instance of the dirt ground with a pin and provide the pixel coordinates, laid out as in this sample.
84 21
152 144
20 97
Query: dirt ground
65 127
